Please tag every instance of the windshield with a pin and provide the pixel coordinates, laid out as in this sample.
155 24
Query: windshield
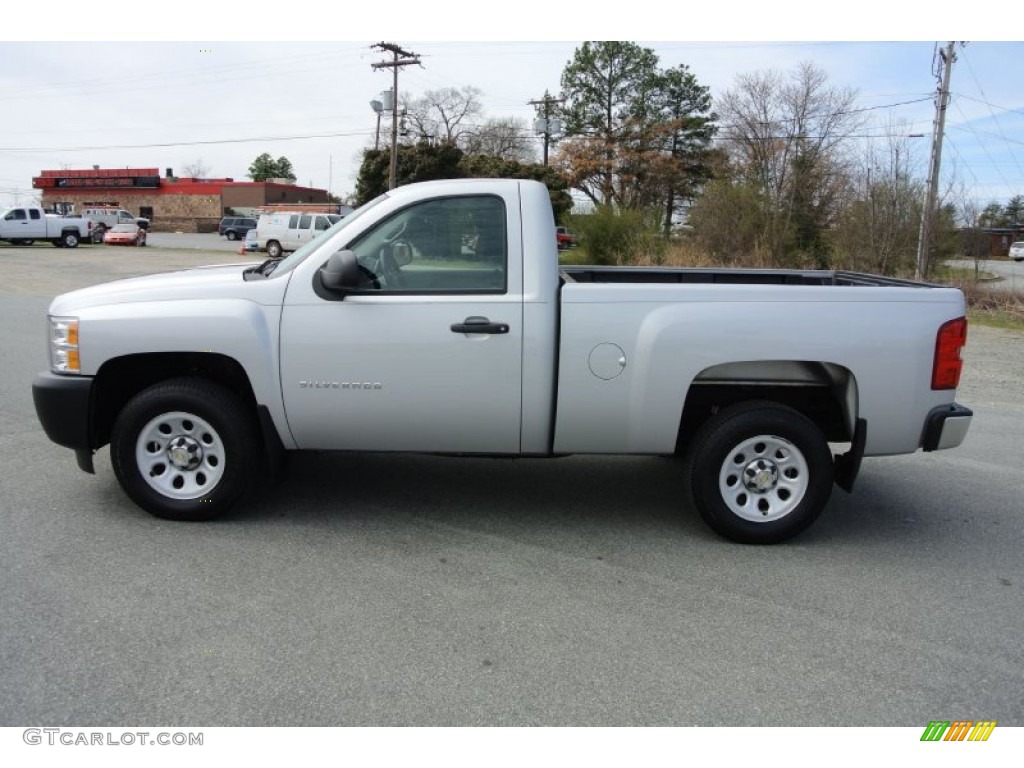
289 263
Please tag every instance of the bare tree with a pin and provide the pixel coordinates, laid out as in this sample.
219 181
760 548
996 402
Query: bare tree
789 135
972 241
197 169
509 138
878 225
444 115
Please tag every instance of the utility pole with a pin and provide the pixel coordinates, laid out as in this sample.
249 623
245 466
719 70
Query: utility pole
400 58
543 125
946 58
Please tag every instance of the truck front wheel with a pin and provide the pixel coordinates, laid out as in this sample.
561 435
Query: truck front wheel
760 472
185 449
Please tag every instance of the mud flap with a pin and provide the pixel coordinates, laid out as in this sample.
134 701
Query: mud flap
848 464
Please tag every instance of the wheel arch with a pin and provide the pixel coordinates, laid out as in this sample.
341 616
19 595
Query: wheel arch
121 378
824 392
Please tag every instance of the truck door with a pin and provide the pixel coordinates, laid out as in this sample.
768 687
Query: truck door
427 355
18 226
36 223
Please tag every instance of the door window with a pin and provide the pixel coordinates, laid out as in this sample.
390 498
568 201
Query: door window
446 245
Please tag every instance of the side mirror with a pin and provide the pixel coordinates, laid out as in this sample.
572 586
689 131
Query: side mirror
341 273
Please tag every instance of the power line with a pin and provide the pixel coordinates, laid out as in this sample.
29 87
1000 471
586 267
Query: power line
974 77
119 83
184 143
989 103
984 145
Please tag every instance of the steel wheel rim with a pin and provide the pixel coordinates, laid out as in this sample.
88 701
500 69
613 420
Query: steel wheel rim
763 478
180 455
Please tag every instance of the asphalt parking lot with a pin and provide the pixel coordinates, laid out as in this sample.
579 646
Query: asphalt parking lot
418 590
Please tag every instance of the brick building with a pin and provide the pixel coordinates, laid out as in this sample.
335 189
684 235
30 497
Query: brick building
171 204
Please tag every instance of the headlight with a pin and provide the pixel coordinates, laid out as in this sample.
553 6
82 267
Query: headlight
64 345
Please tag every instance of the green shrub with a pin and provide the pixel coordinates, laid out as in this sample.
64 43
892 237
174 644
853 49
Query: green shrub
619 237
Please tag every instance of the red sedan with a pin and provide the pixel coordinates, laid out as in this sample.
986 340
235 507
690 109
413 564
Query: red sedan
125 234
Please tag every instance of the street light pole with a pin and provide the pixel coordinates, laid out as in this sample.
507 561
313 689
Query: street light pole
377 107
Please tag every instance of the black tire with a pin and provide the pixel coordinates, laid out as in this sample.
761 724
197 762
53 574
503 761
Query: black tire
69 239
185 449
759 472
231 234
274 249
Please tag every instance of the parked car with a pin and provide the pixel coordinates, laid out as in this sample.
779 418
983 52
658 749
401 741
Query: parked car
565 238
107 218
125 234
250 245
235 227
1017 251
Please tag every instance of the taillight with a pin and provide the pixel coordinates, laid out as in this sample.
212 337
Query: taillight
947 365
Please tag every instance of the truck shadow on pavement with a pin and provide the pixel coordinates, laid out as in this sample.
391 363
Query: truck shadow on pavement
620 495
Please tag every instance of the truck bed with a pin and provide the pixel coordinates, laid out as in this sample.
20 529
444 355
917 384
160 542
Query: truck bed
588 274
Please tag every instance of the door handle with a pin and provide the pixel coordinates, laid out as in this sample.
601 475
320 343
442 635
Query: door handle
477 324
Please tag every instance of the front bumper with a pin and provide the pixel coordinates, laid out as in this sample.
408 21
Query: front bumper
64 406
946 427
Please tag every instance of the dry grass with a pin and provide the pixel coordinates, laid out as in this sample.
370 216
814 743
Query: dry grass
991 307
683 253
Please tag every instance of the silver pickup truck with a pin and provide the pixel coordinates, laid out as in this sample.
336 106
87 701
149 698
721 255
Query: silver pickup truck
436 319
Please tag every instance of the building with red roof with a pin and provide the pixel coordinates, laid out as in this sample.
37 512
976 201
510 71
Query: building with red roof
171 204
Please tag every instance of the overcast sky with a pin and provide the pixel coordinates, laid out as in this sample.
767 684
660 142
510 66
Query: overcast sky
162 104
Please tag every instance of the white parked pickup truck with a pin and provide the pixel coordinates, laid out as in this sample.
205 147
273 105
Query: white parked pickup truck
23 225
108 218
436 319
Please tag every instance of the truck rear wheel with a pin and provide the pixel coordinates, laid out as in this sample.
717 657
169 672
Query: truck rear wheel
185 449
274 249
760 472
69 239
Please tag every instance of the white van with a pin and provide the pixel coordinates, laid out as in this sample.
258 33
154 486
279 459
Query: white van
288 231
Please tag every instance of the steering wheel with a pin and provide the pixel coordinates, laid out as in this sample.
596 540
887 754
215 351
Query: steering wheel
386 269
398 232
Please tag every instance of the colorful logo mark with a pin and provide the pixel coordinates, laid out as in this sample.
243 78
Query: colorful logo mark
958 730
